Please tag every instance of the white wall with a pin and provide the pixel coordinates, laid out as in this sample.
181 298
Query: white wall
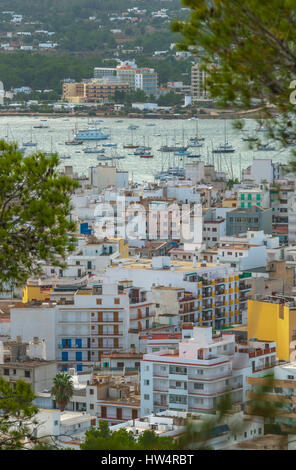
30 322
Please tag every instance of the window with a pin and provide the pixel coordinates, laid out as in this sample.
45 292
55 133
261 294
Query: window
27 373
99 301
6 371
56 423
146 382
178 399
116 301
91 391
147 397
91 406
198 386
178 370
290 377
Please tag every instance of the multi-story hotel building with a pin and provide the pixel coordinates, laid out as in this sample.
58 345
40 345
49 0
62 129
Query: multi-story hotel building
77 332
198 83
218 296
94 91
193 379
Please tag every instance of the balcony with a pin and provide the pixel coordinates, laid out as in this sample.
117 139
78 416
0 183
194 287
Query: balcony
243 286
178 390
261 352
209 379
156 403
215 393
220 291
95 320
206 294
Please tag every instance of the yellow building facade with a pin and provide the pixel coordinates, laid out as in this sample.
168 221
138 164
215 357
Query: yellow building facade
31 293
270 321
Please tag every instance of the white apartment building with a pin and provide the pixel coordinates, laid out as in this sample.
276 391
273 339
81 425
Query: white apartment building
214 287
96 321
198 83
192 379
292 219
242 256
253 196
213 230
235 427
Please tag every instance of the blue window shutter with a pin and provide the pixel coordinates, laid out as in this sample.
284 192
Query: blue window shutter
64 356
79 342
63 342
78 356
69 343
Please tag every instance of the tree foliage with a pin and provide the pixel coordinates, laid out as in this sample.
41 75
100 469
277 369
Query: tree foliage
104 439
62 389
35 204
16 415
248 49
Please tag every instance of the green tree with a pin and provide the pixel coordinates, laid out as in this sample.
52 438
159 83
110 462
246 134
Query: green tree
248 49
170 99
62 389
35 204
104 439
151 441
232 182
16 415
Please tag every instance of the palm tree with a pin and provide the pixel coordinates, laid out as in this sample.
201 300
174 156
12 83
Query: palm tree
62 390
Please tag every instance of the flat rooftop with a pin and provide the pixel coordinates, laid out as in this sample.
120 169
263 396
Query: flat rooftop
267 442
146 264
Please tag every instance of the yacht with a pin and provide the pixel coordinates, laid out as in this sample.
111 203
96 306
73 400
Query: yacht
224 148
167 148
266 148
29 144
193 156
250 138
142 150
41 126
74 142
91 134
93 150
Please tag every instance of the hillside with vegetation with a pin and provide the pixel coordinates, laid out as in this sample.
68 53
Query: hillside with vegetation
68 38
